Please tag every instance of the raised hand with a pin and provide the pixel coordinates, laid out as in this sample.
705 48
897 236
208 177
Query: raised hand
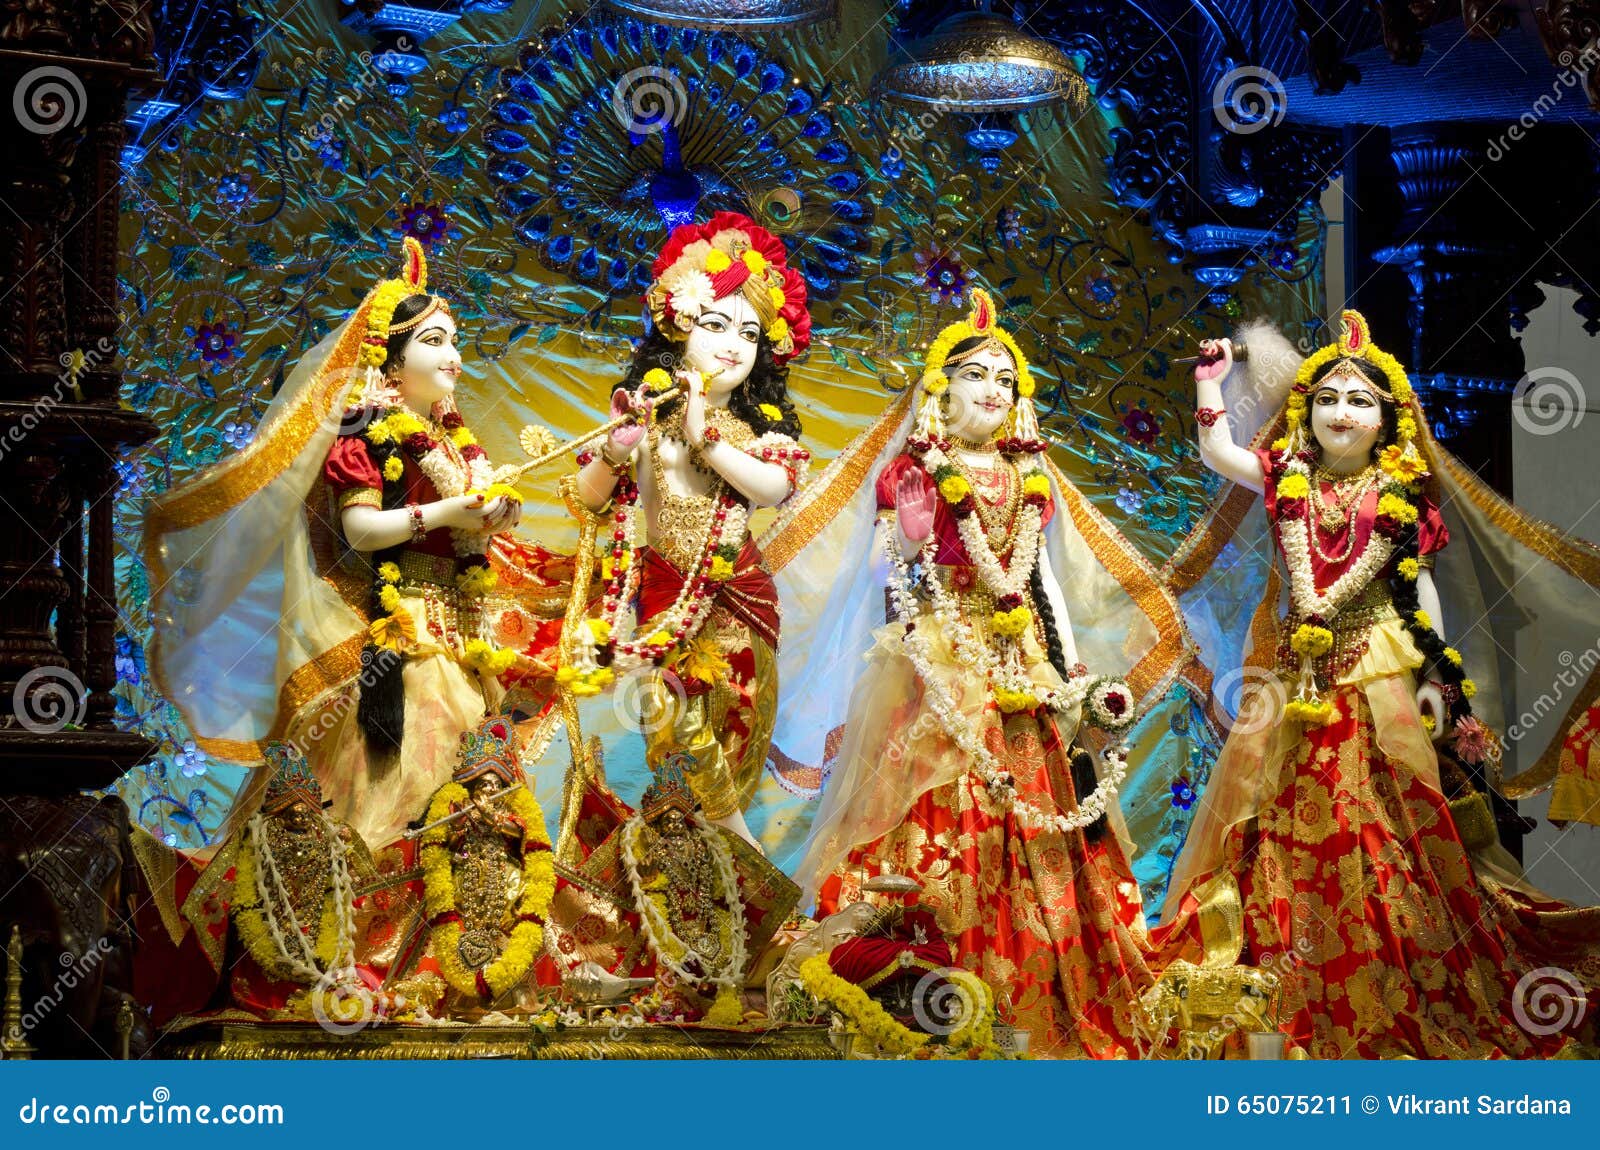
694 411
915 501
624 440
1216 359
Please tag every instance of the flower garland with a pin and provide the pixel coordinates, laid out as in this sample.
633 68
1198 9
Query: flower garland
261 904
974 1037
1013 690
670 950
439 897
601 653
971 652
455 466
1394 536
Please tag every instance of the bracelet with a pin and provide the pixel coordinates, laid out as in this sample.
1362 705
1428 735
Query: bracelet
419 529
1208 416
605 457
711 434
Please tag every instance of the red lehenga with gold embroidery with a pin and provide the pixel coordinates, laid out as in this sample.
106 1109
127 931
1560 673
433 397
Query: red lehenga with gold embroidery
1392 938
1049 919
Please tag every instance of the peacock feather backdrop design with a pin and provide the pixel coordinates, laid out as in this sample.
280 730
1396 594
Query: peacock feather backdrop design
541 158
604 138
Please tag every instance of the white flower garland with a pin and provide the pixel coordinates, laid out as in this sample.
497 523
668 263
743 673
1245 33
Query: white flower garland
656 926
276 896
452 476
1025 550
971 652
1296 538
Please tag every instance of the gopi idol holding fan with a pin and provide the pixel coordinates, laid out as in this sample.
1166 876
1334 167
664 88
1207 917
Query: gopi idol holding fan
971 724
1343 803
713 436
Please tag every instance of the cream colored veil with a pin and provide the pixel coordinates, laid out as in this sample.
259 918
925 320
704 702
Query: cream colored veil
1515 592
824 553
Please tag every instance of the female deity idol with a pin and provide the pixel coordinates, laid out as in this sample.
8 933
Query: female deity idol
1328 805
960 762
728 316
335 584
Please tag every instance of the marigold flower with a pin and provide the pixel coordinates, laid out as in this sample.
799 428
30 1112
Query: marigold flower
394 632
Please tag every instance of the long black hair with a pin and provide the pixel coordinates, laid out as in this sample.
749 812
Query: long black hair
768 382
1084 779
381 710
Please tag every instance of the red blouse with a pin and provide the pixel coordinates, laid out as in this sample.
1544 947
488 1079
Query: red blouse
949 548
1432 535
350 467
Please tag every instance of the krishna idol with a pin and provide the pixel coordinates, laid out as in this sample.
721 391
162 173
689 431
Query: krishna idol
712 436
334 585
1343 807
969 722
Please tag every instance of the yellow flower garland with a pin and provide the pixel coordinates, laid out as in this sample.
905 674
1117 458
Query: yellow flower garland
250 919
394 632
876 1024
439 898
1011 623
1304 711
1311 640
1294 486
954 488
1397 508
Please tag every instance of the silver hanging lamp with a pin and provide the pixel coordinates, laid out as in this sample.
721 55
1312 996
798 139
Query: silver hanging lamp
729 15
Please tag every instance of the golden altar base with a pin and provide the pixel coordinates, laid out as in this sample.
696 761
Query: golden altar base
252 1039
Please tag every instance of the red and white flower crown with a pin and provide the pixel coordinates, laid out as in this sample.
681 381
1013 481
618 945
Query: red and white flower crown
730 253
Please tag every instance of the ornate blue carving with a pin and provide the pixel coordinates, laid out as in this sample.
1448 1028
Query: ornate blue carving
610 131
203 50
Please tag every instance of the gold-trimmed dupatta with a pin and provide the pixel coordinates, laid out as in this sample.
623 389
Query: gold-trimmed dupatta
824 555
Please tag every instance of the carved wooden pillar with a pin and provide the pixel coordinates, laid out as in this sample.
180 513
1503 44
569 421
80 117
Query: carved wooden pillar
63 853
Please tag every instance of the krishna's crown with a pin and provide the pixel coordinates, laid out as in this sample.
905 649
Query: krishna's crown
290 780
492 746
703 263
669 788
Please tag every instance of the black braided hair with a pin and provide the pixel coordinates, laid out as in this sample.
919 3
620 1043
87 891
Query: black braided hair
1084 780
381 709
768 382
1407 546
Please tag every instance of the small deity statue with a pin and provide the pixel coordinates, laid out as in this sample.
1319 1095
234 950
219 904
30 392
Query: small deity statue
665 892
293 903
488 871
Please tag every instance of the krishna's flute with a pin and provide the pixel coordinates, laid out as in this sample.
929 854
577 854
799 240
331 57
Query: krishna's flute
472 805
604 429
